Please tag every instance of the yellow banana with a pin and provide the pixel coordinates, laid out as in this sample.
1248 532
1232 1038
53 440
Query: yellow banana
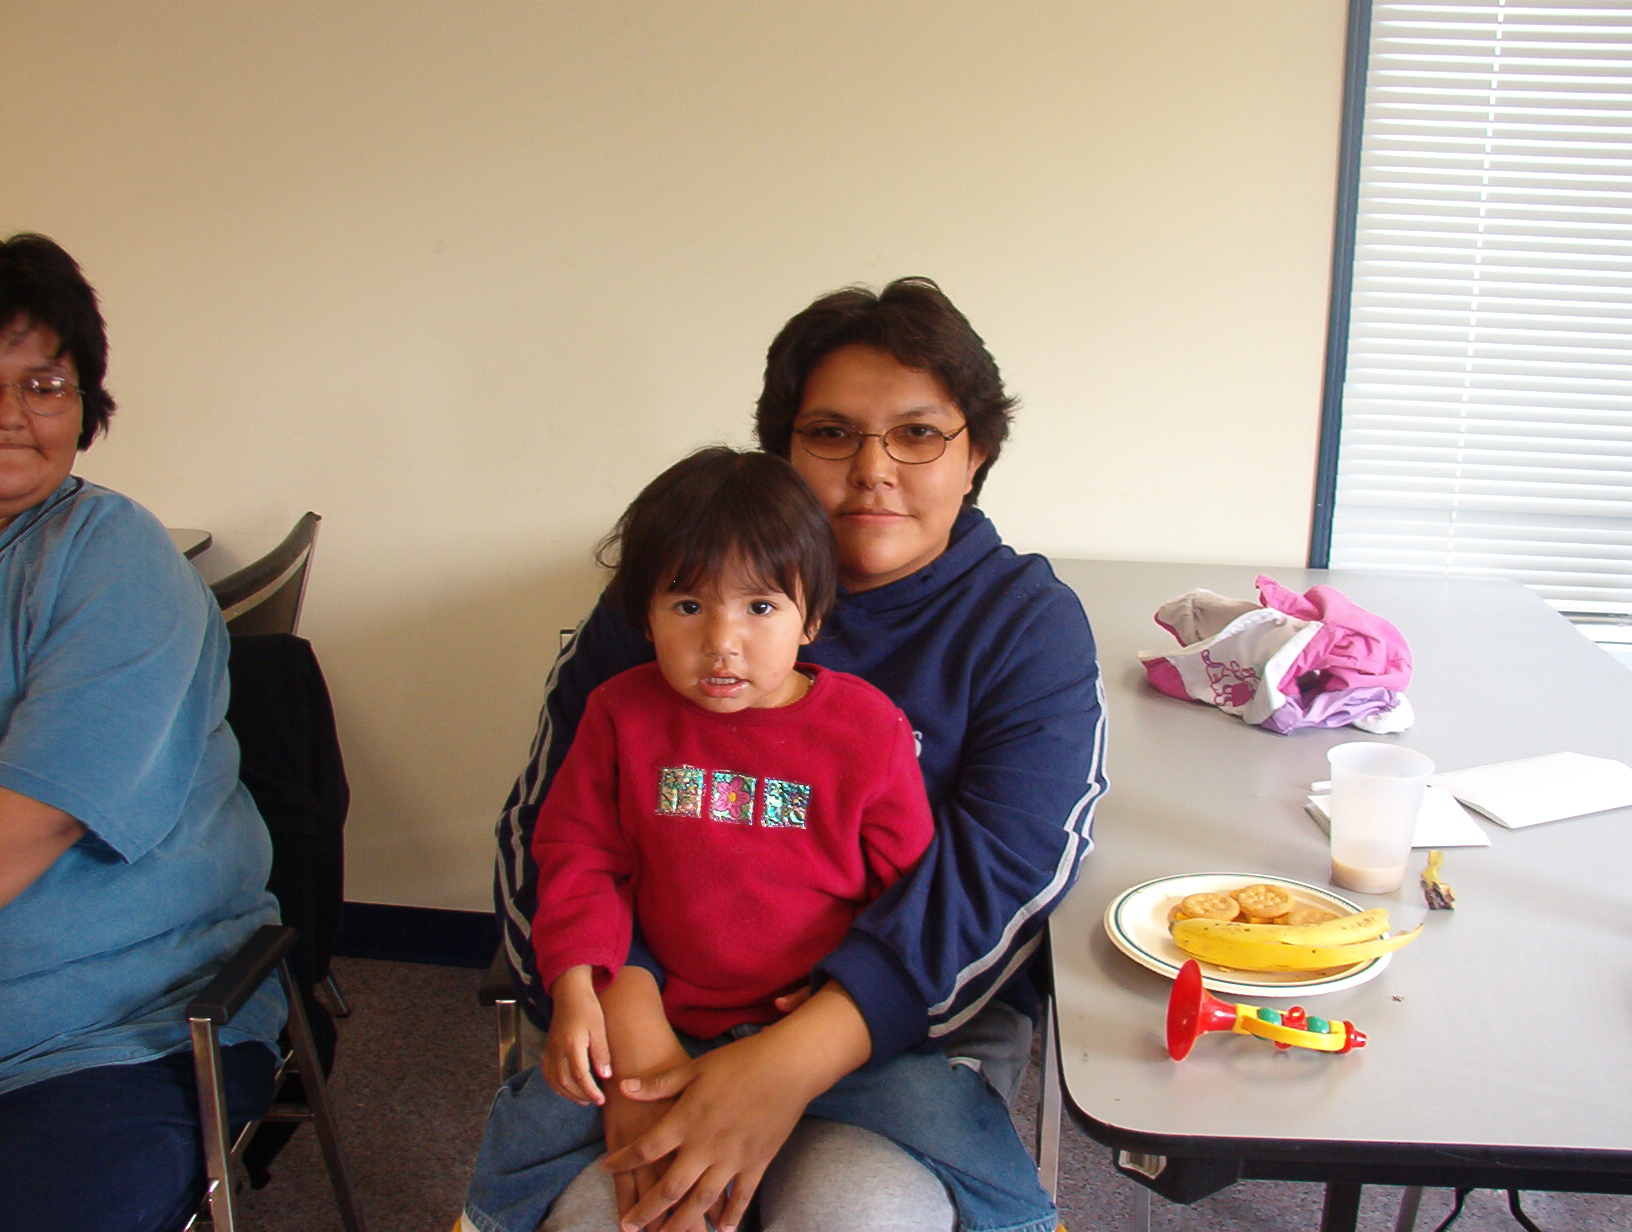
1345 930
1230 951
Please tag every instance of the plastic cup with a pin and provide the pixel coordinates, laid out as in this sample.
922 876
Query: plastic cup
1376 795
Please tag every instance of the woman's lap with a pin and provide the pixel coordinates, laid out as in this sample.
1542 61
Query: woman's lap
830 1175
996 1043
827 1176
833 1173
117 1148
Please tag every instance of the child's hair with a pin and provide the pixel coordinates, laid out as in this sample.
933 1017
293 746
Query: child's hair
716 507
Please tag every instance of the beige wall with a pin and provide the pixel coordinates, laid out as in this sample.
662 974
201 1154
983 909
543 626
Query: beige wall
461 276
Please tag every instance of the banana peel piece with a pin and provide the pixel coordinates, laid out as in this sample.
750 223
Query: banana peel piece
1438 893
1198 940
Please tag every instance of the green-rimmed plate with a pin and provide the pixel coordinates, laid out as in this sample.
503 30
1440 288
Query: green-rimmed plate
1136 922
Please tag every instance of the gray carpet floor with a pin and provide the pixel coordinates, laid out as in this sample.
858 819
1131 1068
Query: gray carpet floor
416 1070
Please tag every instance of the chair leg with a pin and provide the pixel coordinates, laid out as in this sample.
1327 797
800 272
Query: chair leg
212 1112
509 1039
317 1095
340 1009
1048 1107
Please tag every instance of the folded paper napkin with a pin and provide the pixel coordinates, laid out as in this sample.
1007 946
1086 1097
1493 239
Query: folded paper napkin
1538 789
1289 661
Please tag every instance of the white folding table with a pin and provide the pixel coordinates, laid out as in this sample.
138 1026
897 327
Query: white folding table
1498 1042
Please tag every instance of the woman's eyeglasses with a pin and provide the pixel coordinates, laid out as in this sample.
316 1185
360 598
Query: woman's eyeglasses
911 444
44 395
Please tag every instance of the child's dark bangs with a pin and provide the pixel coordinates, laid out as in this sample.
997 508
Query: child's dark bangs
722 538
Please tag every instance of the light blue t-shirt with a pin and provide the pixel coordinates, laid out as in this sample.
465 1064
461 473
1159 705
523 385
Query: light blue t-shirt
113 701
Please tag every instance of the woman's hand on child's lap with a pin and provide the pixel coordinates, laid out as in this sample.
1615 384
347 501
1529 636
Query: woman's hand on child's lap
625 1120
576 1043
736 1108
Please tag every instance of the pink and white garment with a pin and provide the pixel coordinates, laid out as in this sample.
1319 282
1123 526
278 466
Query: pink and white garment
1290 661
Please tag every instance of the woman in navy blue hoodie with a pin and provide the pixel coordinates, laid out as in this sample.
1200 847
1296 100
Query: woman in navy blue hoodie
892 409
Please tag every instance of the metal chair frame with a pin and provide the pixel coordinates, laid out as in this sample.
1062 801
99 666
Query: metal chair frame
212 1009
1048 1103
499 990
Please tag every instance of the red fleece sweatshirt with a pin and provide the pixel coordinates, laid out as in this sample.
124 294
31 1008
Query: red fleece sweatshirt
745 844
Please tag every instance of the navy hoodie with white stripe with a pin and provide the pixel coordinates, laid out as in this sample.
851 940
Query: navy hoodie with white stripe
992 660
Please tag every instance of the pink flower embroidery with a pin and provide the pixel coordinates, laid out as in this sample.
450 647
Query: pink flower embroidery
731 797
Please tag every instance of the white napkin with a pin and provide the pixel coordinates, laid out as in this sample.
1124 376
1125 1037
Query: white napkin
1537 789
1441 821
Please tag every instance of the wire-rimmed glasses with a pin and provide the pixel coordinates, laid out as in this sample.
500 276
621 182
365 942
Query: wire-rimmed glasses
911 444
45 395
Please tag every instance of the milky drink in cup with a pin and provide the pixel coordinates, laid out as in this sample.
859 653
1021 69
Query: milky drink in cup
1376 794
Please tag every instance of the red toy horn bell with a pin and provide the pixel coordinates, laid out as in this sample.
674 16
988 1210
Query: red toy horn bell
1192 1011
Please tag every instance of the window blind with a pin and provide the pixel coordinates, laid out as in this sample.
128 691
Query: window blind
1487 400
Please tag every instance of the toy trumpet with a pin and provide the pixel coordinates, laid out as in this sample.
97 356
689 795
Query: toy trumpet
1192 1012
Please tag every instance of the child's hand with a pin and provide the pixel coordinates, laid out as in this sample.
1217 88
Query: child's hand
575 1050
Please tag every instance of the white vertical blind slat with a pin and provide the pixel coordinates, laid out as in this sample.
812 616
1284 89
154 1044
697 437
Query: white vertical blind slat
1487 402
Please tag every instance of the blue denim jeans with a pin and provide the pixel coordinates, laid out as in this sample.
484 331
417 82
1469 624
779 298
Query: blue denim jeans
945 1116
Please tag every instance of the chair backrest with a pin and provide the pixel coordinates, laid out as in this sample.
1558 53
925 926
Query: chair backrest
290 760
265 596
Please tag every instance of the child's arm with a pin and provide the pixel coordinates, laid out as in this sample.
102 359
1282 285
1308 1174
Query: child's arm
583 857
643 1044
637 1029
575 1050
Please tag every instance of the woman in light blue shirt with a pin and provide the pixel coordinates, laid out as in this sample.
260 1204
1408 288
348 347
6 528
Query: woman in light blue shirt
132 861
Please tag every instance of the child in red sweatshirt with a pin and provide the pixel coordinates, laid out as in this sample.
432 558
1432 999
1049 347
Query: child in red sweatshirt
741 807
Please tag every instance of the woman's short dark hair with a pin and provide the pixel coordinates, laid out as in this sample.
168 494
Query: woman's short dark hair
914 321
41 283
714 508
